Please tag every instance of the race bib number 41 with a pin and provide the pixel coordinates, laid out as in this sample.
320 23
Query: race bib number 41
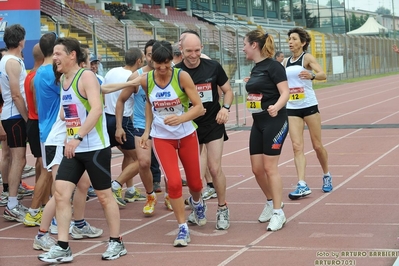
254 103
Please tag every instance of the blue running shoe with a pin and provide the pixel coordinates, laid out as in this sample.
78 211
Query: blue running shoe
199 212
91 192
327 184
300 191
183 237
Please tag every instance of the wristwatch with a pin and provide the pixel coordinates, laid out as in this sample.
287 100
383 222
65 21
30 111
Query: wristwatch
78 137
313 76
226 106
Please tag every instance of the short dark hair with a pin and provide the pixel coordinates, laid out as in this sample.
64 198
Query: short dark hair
278 53
132 55
47 42
303 36
1 51
70 45
162 52
190 32
13 35
148 44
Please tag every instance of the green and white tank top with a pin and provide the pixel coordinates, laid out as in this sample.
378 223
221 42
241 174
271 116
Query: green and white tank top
170 100
76 109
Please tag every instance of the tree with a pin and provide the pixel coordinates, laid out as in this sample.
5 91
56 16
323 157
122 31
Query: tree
311 21
383 11
333 3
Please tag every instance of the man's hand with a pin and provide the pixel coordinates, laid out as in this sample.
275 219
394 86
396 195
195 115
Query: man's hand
70 148
222 116
120 135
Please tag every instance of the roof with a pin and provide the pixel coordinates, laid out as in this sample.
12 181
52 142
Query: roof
370 27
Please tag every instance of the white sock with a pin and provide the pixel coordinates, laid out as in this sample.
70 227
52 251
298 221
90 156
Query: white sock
131 189
302 183
115 185
12 202
278 211
33 212
166 194
328 174
270 202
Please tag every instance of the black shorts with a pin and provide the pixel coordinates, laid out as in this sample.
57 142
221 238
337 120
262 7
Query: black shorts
127 125
268 133
211 132
53 156
16 132
32 130
96 163
304 111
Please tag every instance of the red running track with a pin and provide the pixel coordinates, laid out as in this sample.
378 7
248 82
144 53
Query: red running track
355 224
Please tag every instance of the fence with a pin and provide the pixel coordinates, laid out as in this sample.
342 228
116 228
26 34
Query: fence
342 56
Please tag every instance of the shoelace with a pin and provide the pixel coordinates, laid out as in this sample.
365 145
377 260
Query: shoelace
112 245
200 210
182 233
327 181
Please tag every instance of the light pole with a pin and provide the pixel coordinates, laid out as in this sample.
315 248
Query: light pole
393 20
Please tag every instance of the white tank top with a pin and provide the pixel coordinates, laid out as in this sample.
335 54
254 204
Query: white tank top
9 109
117 75
302 94
76 109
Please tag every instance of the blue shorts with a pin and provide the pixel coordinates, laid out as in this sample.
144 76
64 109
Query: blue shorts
127 125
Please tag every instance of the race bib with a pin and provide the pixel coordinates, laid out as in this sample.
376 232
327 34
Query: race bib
254 103
168 107
297 94
72 126
205 92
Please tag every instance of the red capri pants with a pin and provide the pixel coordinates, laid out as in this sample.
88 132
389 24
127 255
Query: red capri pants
167 152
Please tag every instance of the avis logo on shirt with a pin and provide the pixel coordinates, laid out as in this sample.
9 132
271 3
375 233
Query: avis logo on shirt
164 94
66 97
3 25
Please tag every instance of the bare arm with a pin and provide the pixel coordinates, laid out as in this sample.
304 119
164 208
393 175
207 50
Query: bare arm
120 134
148 115
395 48
14 70
312 64
32 88
223 115
108 88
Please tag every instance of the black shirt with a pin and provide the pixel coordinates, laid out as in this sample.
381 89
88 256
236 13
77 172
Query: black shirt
209 73
265 76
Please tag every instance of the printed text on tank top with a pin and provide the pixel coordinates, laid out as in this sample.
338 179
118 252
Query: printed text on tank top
297 93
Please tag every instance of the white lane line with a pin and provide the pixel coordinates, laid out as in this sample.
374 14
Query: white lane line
256 241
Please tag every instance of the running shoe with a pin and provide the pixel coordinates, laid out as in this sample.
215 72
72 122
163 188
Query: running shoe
327 183
54 228
223 219
149 206
167 203
117 193
183 237
157 187
300 191
134 196
91 192
276 222
27 168
267 213
86 231
25 190
44 243
56 254
35 220
183 182
15 214
3 198
209 193
114 250
199 212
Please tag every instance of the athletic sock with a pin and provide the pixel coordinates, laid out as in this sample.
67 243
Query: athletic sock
12 202
80 223
116 239
302 183
63 245
5 187
41 233
131 189
115 185
210 184
33 212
